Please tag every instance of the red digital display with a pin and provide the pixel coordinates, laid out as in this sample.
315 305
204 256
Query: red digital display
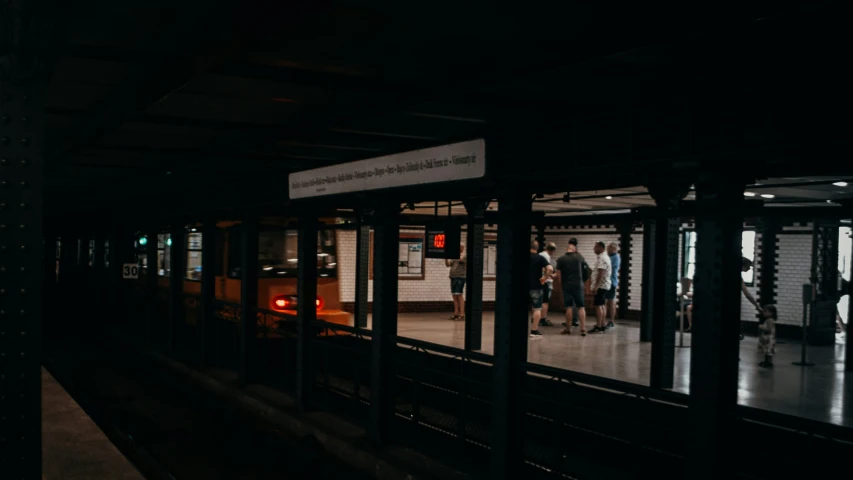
438 241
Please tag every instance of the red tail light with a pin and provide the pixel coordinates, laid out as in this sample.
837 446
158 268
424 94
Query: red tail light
286 302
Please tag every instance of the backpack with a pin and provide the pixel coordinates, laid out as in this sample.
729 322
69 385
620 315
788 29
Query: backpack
585 271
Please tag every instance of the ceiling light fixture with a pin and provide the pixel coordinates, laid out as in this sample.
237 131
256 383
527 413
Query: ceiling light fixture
768 195
609 197
840 184
748 194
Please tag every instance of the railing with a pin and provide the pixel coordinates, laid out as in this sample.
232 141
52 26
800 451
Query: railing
276 349
342 362
576 424
224 337
443 400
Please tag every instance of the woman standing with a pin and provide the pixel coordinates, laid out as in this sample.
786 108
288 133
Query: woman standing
458 271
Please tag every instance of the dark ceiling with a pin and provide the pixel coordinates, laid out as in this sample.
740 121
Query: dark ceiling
186 104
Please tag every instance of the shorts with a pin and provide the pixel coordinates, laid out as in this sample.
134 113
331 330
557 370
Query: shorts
611 294
547 288
573 296
599 297
457 285
536 299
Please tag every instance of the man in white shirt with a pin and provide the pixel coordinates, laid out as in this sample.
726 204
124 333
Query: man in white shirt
548 287
599 283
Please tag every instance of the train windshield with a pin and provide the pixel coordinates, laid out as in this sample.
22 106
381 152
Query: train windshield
278 254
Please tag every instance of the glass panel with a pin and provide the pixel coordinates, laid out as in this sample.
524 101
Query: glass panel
748 251
164 255
194 246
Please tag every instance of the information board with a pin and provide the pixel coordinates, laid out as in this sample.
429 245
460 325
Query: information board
443 241
457 161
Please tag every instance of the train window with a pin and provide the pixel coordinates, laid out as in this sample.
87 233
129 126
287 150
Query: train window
164 255
277 254
194 257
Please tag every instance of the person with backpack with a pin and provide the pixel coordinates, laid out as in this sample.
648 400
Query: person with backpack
573 272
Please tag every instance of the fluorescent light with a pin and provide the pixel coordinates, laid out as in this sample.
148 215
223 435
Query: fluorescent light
768 195
268 268
829 201
331 264
748 194
609 197
840 184
322 254
292 260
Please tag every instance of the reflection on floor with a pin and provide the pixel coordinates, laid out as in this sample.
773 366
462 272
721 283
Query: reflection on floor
818 392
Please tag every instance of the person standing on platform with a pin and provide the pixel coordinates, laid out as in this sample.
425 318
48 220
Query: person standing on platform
458 272
540 272
600 285
767 335
615 263
570 269
548 287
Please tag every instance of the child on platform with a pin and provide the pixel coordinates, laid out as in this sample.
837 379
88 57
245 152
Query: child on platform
767 335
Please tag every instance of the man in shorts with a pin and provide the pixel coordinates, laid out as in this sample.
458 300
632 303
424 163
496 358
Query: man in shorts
615 263
600 285
548 287
570 269
540 272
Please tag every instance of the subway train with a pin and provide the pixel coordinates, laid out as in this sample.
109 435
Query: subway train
277 267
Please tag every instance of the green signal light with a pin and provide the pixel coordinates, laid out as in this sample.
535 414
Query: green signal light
143 241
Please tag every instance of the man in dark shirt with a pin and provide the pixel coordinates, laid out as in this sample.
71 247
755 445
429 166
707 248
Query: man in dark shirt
540 272
570 269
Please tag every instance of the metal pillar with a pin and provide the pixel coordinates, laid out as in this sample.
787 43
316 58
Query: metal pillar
821 329
716 309
208 286
306 297
362 269
769 230
475 242
21 248
176 286
511 333
151 286
386 250
625 252
648 285
665 279
248 296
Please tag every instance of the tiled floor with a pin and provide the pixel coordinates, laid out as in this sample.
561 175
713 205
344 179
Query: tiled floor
819 392
73 447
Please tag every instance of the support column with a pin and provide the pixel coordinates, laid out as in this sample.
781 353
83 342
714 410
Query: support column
647 313
176 287
362 268
625 252
716 309
21 248
848 358
474 245
306 297
769 231
208 286
155 323
385 252
249 296
511 334
825 277
665 279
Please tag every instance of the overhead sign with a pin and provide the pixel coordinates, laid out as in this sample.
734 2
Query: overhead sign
457 161
130 271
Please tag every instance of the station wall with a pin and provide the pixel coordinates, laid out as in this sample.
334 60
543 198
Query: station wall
432 293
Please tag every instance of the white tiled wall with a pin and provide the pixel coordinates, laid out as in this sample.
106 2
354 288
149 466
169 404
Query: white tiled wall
434 287
747 311
794 267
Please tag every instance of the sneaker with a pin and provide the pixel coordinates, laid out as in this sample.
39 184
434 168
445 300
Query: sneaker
575 323
596 329
544 322
610 325
535 334
583 333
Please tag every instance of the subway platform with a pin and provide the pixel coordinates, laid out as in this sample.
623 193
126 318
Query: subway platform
818 392
73 447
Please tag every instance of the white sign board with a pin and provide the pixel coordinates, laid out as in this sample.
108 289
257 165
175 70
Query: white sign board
446 163
130 271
